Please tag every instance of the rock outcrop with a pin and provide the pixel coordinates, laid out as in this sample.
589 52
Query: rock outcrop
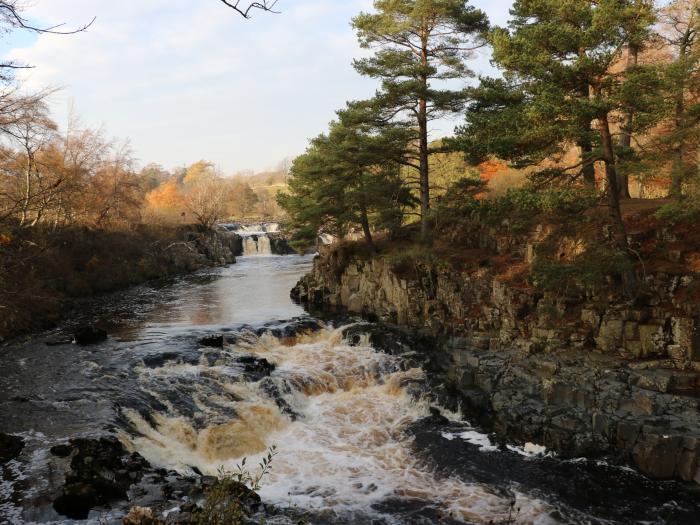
585 375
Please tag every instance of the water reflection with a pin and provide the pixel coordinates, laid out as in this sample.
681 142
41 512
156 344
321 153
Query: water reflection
253 291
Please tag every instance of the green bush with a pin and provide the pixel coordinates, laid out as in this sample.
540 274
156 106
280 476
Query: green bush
588 269
521 207
684 210
234 498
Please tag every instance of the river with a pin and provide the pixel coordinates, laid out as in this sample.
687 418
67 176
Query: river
359 436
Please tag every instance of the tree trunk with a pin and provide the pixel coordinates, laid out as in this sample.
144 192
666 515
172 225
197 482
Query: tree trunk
366 230
619 232
677 168
423 132
27 193
588 169
585 144
623 184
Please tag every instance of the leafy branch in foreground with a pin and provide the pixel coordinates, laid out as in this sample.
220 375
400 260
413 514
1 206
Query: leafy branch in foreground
234 498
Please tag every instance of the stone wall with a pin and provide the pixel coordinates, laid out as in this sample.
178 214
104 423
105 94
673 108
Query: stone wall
587 375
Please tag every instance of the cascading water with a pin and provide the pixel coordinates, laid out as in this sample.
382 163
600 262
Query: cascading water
254 236
338 415
256 244
357 431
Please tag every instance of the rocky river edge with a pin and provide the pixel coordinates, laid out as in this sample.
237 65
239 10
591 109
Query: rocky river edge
591 376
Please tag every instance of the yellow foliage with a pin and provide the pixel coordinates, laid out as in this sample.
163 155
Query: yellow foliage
200 170
166 203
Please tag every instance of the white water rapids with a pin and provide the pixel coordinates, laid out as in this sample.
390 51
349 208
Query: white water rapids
356 432
346 451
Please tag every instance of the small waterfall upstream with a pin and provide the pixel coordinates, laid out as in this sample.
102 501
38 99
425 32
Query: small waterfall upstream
256 244
255 238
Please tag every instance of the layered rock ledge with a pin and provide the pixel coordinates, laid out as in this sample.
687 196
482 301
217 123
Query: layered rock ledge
591 375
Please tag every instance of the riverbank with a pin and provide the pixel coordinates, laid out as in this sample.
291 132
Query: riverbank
45 274
547 351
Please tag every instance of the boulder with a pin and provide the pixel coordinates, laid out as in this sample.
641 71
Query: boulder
212 341
89 335
101 472
10 447
255 368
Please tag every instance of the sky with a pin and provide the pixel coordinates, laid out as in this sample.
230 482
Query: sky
184 80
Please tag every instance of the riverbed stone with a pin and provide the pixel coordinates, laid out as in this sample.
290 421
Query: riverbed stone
10 447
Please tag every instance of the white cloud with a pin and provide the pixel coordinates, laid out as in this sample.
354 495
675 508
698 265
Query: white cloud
188 80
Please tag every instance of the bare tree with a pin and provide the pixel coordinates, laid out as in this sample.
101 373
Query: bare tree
31 128
207 199
245 8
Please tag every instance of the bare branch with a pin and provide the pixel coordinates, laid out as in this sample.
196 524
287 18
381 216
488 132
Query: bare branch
10 11
246 8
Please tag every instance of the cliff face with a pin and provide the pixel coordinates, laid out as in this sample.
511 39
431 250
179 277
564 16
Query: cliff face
584 375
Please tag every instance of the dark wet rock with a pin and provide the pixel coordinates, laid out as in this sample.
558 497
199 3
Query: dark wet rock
101 472
212 341
89 335
77 500
59 342
159 360
279 245
276 390
291 328
255 368
20 399
62 451
10 447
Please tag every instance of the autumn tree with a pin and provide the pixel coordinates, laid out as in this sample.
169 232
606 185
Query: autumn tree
206 195
165 204
678 30
31 129
419 45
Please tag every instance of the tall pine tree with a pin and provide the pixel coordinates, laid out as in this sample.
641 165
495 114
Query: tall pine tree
419 42
349 177
562 87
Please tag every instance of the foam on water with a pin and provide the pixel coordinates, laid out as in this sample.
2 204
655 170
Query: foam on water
346 448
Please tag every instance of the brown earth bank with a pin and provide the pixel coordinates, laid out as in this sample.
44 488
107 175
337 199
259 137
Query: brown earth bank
536 344
44 275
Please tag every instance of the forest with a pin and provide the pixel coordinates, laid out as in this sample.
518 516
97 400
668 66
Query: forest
593 104
589 104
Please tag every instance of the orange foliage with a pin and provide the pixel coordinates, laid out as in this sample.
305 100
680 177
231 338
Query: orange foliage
166 203
490 168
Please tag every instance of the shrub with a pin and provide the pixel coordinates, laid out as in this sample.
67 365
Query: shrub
591 268
684 210
234 498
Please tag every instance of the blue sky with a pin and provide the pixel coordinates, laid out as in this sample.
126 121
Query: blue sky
184 83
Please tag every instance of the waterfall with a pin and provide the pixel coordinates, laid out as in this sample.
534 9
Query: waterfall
256 240
256 244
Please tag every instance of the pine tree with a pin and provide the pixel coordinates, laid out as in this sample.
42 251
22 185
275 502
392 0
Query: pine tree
561 88
349 177
680 23
419 42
